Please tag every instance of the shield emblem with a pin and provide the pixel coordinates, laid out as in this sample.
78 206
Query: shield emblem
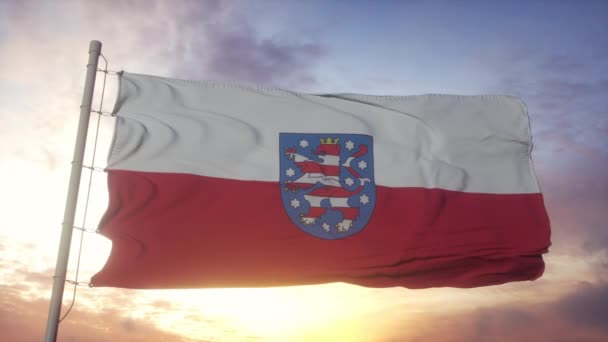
327 182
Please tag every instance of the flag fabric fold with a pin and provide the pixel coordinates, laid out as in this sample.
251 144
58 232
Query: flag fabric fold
223 185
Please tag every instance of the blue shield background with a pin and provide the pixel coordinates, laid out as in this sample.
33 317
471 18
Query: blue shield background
304 144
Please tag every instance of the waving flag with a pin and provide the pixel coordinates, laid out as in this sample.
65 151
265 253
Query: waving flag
222 185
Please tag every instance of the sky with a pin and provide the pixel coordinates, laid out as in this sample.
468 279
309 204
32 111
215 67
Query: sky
551 54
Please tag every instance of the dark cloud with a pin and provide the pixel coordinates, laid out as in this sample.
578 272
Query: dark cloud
240 56
489 323
598 244
587 307
184 39
199 40
578 316
226 46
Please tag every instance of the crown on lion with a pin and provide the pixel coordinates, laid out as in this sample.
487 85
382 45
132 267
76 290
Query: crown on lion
329 141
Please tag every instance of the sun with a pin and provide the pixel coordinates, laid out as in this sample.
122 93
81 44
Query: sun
332 312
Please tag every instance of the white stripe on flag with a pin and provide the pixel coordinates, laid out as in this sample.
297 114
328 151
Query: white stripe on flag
478 144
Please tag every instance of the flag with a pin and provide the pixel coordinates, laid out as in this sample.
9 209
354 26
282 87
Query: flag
226 185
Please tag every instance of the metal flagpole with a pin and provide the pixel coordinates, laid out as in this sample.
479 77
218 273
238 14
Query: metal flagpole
70 205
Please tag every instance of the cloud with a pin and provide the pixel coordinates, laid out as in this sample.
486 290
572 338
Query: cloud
35 277
212 40
42 56
489 321
578 316
205 40
240 56
98 314
42 59
587 308
564 92
25 320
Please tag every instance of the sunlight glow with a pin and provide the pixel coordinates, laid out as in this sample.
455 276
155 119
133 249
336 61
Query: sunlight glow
291 312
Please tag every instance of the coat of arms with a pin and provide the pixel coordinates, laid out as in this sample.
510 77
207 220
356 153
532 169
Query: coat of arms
327 182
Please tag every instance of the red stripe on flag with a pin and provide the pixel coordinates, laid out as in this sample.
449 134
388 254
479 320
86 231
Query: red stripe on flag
182 231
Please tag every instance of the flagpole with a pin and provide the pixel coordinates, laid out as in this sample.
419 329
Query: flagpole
70 205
